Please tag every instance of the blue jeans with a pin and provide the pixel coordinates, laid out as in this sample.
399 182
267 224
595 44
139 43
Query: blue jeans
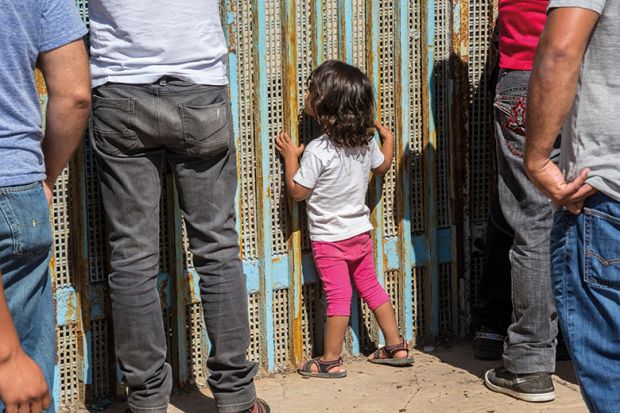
585 260
25 249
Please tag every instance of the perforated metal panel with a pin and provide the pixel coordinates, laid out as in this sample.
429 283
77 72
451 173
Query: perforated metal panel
445 293
196 345
166 217
82 6
61 217
418 298
280 310
254 349
480 114
311 319
67 335
189 261
387 78
394 289
359 43
330 28
368 328
168 331
441 104
480 132
100 351
308 129
97 242
416 125
244 38
280 224
68 360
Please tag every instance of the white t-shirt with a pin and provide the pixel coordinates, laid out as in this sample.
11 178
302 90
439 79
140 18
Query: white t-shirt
139 41
338 178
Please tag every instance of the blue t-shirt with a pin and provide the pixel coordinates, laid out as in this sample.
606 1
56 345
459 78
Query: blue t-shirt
29 27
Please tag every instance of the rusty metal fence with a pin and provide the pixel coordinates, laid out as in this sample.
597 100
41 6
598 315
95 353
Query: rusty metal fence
428 60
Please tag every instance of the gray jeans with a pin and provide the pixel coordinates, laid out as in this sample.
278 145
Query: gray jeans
135 129
530 345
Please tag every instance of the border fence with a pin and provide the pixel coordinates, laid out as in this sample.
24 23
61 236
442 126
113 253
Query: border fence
429 62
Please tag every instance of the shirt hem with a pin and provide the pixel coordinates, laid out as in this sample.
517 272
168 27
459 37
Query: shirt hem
303 182
340 237
63 40
372 166
147 78
24 180
602 186
596 6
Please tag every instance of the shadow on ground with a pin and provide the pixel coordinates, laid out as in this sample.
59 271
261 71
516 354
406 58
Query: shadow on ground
466 361
193 401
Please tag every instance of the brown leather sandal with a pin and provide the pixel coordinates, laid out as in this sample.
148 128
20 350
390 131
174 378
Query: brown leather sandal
323 368
386 355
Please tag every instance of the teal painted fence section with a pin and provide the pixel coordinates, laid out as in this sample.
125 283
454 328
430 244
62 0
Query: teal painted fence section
427 60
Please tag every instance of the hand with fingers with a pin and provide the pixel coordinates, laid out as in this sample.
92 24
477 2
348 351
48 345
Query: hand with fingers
287 148
383 131
23 388
550 180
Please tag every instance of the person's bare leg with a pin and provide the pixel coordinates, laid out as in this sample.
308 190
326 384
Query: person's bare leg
334 337
335 330
387 322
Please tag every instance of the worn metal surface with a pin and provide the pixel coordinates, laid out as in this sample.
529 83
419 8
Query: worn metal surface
428 61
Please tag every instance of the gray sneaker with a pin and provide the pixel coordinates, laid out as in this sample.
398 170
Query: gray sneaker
536 387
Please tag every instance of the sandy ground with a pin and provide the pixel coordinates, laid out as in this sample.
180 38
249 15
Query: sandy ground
444 380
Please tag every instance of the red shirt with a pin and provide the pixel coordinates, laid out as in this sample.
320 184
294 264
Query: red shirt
521 23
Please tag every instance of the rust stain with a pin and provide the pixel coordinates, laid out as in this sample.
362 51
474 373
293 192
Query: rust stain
71 310
163 296
40 82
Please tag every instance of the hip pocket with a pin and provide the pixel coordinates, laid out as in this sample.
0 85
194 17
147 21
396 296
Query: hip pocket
28 217
510 114
113 124
206 129
601 249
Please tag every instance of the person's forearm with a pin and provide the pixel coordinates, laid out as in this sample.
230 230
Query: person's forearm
9 342
65 124
553 81
550 98
387 147
291 166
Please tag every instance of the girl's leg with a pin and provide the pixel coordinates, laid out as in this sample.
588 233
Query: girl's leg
387 322
335 330
373 294
334 272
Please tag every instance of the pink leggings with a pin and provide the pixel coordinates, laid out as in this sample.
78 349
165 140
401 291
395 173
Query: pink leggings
350 258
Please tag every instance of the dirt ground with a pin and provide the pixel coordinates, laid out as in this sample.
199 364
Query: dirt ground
442 381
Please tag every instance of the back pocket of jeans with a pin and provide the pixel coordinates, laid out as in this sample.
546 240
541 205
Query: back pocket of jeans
206 129
28 217
602 249
113 124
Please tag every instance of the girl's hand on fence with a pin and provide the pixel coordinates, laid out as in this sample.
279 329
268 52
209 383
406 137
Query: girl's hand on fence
287 148
383 131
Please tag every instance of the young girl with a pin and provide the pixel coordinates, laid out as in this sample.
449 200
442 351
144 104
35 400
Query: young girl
333 179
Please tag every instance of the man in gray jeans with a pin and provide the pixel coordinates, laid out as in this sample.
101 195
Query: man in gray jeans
529 348
160 95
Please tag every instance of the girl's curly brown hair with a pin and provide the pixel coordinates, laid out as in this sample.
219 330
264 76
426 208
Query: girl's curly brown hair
343 103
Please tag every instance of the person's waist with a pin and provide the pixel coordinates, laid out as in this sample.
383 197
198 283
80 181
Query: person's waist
214 77
11 189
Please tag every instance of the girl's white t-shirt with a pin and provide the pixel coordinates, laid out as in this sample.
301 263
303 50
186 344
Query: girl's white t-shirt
339 179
